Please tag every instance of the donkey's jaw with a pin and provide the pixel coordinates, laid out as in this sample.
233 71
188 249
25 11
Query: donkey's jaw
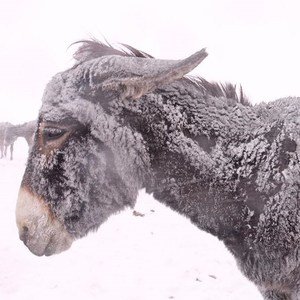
40 231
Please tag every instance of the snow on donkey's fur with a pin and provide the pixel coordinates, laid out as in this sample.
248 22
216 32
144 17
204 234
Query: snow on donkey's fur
119 121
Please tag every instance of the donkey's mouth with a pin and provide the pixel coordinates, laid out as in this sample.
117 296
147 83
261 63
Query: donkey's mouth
40 231
42 247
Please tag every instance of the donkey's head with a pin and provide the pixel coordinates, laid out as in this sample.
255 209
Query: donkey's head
85 164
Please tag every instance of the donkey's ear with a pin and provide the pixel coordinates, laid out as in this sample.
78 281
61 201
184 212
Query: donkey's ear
133 87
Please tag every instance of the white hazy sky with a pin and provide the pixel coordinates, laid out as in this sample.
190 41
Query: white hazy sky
255 43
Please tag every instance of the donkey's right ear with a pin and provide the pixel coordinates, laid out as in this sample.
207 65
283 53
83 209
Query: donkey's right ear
153 76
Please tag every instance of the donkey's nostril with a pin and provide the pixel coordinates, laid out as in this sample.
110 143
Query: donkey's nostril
24 234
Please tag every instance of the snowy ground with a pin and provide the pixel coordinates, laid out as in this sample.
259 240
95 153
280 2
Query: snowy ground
158 256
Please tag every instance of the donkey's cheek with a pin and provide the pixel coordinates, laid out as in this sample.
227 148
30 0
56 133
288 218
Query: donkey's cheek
38 228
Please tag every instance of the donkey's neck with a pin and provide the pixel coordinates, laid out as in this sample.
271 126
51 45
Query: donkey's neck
210 158
192 140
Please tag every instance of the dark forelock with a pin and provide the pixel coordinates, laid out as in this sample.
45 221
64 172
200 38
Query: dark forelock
90 49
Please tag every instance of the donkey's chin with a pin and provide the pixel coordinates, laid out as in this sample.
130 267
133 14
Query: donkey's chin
40 231
48 246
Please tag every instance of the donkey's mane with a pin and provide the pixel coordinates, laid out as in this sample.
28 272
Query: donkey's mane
91 49
219 90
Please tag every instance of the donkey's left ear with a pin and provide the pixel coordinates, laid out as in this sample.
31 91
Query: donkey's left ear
165 72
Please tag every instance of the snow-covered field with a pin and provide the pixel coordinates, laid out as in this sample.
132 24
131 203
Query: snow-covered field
156 256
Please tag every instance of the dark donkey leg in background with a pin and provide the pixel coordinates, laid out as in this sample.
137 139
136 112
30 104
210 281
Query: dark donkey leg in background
11 151
5 150
3 126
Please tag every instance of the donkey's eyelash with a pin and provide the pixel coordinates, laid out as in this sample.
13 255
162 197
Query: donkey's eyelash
51 133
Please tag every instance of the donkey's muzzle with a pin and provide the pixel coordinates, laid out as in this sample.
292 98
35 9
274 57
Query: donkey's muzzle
39 229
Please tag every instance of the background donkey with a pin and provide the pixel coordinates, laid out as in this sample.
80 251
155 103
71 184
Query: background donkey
201 149
3 127
13 132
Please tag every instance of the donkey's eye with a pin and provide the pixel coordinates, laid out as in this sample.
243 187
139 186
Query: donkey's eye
51 133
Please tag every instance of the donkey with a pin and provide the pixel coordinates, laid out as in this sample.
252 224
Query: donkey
3 127
119 121
13 132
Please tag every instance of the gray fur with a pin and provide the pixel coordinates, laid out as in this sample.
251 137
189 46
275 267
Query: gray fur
232 169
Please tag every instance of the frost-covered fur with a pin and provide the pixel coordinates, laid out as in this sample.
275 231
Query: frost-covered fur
232 169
